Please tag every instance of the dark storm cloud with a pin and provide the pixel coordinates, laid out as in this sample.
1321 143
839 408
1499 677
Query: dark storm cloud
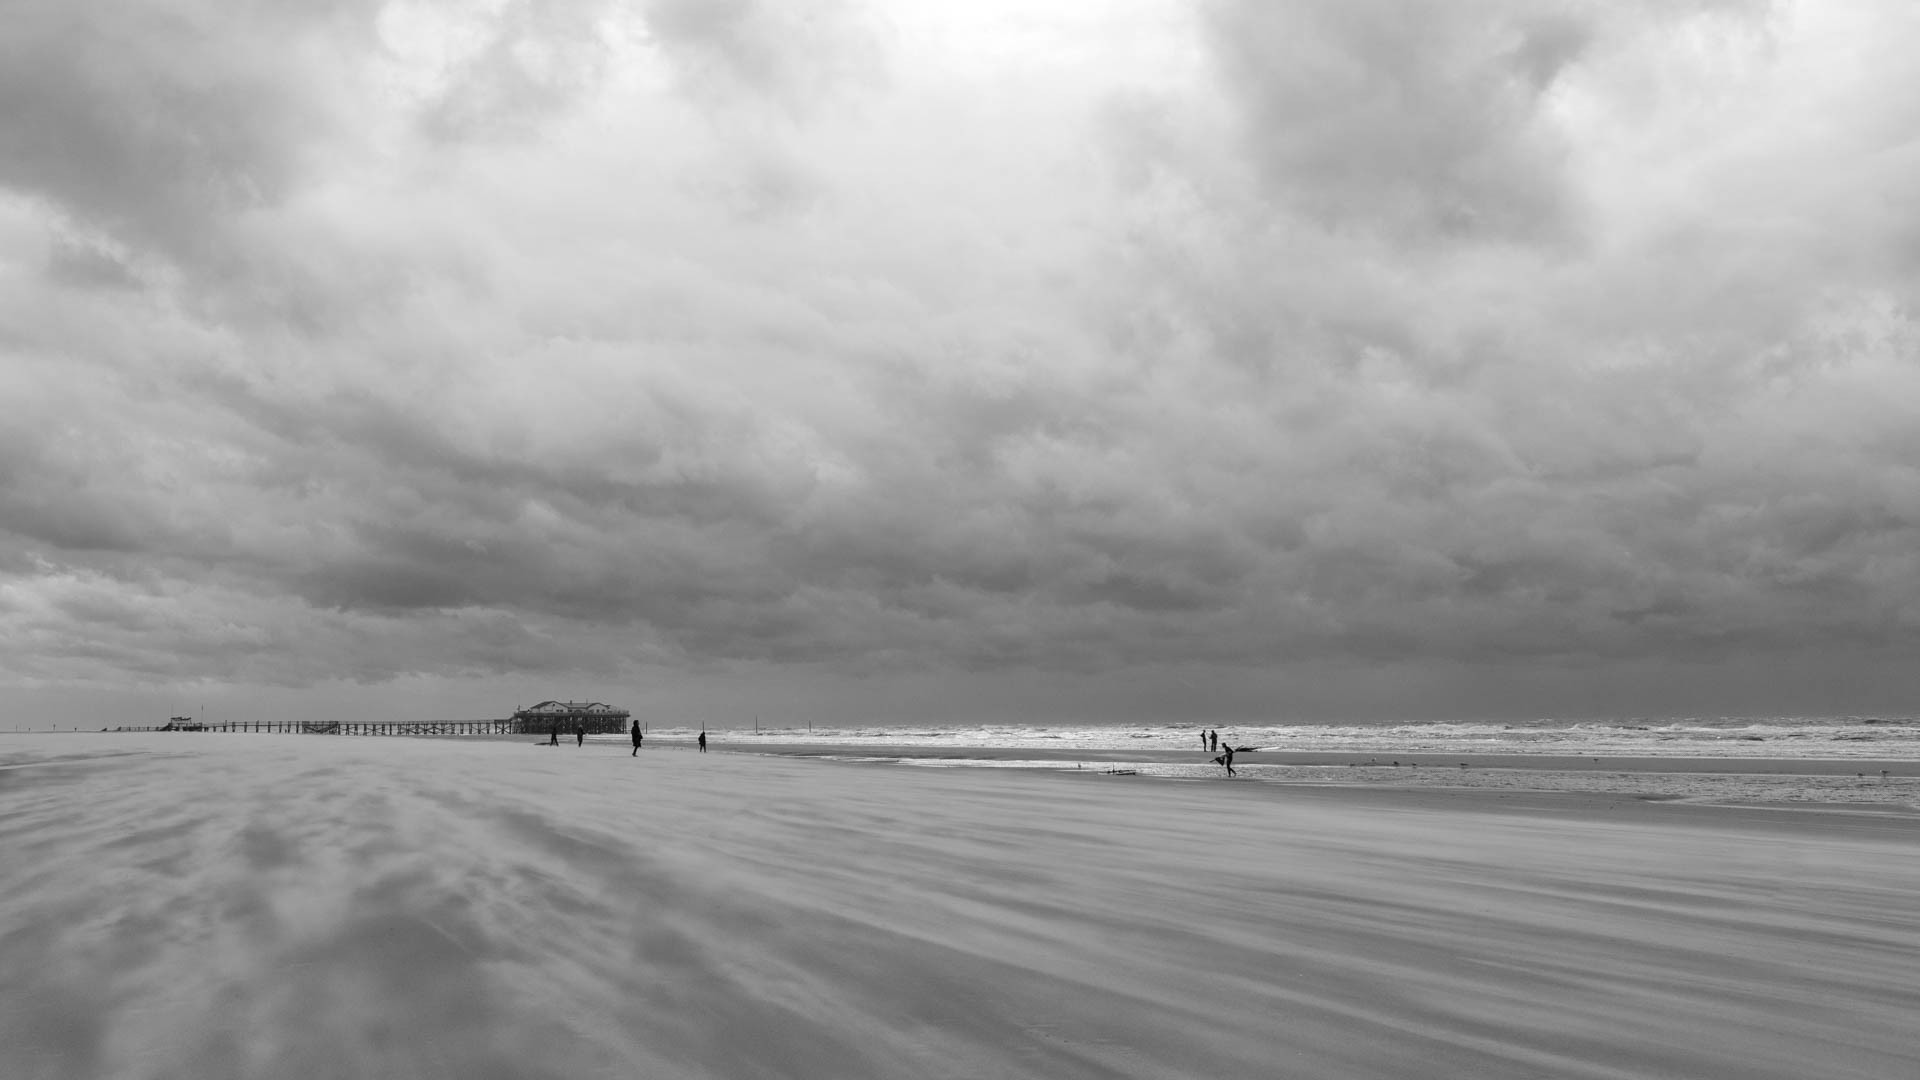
1492 484
538 58
557 337
88 262
158 122
1417 118
786 55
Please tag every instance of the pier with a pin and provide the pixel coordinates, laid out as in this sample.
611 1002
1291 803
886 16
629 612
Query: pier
593 717
345 727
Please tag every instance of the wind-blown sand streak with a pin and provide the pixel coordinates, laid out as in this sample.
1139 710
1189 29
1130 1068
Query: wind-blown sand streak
206 906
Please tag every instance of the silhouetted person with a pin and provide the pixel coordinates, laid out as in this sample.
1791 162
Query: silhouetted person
580 735
1203 738
1214 737
637 736
1227 760
554 739
703 742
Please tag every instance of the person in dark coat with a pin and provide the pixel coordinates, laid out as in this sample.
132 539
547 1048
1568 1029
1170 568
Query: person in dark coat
637 736
554 739
703 742
580 735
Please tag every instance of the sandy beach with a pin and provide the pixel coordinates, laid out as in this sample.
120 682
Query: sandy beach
191 906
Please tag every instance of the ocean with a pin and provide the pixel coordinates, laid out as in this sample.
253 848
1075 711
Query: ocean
1824 738
1853 762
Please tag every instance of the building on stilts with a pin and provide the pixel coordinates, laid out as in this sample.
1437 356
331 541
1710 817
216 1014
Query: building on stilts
596 717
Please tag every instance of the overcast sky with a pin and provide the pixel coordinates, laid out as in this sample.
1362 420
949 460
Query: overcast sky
1152 359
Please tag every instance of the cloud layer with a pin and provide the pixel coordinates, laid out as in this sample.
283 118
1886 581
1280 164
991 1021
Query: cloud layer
548 339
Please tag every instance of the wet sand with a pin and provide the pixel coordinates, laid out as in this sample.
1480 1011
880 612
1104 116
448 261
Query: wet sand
256 905
1881 786
1546 762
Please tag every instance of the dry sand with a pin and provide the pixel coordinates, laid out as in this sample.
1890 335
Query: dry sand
202 906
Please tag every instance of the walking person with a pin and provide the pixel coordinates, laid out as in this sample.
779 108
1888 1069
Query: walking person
1227 760
554 739
579 734
703 742
637 736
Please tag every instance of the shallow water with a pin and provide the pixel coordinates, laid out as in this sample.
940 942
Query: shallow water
1894 794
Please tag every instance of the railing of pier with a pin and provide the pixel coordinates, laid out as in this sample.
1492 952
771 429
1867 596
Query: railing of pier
345 727
596 726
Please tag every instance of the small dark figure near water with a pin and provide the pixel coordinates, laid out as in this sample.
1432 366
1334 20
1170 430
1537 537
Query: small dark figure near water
580 735
1214 736
637 736
1227 760
703 742
1203 738
554 739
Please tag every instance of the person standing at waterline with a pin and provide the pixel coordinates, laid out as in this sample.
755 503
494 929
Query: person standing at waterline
637 736
703 742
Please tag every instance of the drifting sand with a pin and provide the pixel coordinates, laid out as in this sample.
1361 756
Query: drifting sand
197 905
